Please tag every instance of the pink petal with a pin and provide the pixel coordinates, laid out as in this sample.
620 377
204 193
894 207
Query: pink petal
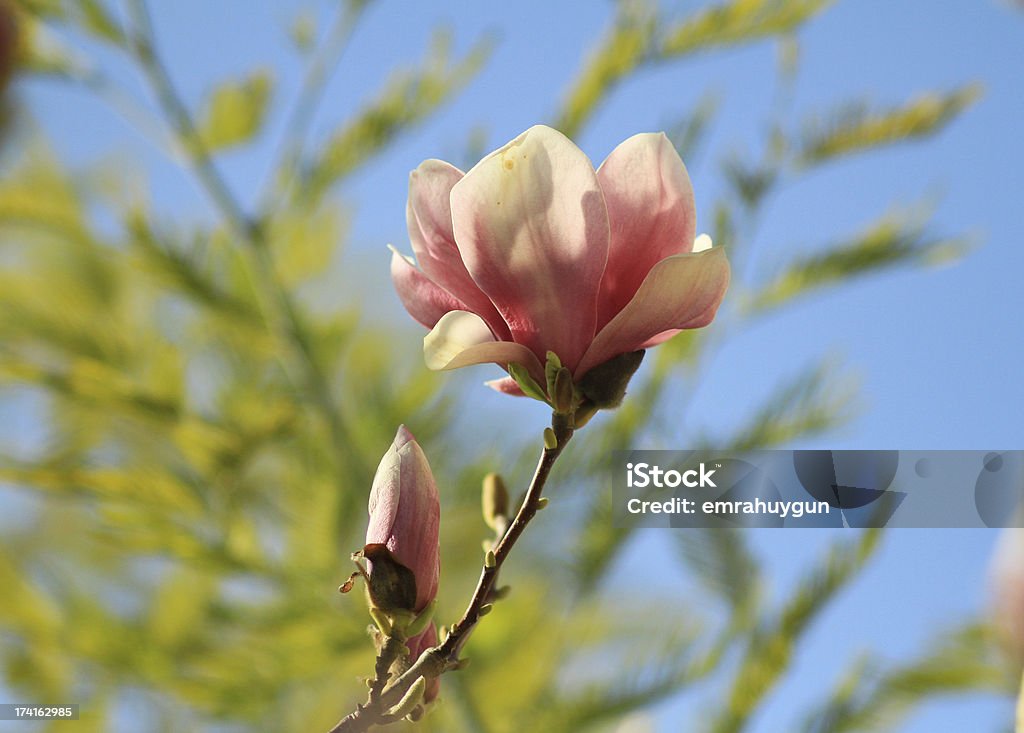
660 338
416 529
506 385
425 301
461 338
428 215
650 211
403 436
683 291
531 224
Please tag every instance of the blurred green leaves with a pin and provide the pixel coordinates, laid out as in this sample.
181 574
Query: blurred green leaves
856 127
874 696
407 97
235 110
97 20
893 240
770 648
740 21
724 564
641 36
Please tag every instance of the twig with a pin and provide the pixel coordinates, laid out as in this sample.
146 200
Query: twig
440 659
389 652
198 156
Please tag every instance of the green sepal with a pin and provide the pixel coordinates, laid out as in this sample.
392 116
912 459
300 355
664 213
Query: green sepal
382 620
419 624
527 383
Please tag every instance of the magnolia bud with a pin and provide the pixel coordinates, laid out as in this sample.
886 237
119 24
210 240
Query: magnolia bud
494 498
402 536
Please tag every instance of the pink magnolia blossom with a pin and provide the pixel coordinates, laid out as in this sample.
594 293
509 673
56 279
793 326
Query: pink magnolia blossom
405 514
1008 587
533 251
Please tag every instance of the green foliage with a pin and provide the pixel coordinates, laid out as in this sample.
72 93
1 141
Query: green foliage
722 562
891 241
740 21
770 648
620 53
408 97
872 697
639 37
212 428
97 20
303 31
855 127
807 404
235 111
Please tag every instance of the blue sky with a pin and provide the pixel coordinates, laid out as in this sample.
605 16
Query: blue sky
937 352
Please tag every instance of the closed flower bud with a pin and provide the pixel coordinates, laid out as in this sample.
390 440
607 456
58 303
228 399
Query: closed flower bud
494 498
402 536
564 393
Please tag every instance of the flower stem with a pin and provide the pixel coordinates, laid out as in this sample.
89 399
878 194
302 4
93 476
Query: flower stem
489 575
388 653
435 662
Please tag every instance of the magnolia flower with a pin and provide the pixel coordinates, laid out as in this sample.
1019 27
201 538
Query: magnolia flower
402 536
1008 587
534 251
